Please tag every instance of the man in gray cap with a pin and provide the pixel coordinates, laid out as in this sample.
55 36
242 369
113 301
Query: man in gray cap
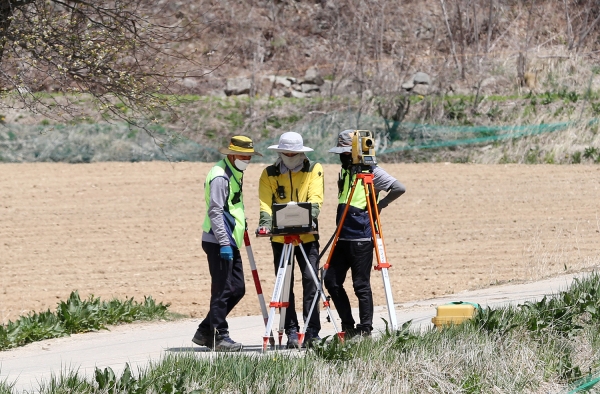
354 249
293 177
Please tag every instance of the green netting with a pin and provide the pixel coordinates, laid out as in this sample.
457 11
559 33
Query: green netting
97 142
113 142
321 133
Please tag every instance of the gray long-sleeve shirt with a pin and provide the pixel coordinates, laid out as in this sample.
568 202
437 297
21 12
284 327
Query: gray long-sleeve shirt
219 191
382 181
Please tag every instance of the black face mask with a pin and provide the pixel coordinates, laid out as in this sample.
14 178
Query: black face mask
346 160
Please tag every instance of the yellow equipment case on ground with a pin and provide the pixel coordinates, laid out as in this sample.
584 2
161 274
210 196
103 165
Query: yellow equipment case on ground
454 313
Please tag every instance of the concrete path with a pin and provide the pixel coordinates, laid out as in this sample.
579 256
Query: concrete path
136 344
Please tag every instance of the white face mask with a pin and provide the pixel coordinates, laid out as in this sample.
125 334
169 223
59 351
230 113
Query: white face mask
292 162
241 164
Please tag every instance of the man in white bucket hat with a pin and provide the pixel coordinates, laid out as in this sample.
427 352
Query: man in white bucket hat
293 177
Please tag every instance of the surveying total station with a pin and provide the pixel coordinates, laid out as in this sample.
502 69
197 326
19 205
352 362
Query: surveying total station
363 158
291 220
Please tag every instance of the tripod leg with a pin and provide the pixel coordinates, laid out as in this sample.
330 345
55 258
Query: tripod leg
383 267
382 263
287 284
275 303
318 293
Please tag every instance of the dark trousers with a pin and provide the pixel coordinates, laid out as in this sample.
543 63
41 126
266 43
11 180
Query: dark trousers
309 288
226 290
356 256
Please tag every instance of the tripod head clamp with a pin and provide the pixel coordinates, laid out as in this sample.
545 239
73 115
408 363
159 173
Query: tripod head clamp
360 169
293 239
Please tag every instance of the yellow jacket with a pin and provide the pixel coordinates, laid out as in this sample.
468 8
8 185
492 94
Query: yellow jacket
306 185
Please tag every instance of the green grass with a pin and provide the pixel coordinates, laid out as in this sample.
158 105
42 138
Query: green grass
537 347
75 316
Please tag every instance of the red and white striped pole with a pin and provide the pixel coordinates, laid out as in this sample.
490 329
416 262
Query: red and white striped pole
261 298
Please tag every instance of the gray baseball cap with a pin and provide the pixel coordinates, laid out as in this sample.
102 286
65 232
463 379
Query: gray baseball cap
344 143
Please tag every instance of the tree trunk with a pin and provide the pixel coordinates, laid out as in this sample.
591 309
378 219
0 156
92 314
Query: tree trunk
490 26
452 46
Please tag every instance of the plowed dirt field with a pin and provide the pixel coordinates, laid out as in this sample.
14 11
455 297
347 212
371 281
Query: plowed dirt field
134 229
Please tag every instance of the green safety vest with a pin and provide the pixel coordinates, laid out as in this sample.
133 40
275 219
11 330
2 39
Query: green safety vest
357 224
233 212
359 198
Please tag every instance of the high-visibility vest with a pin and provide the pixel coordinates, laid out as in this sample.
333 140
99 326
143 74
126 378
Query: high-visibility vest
357 224
233 212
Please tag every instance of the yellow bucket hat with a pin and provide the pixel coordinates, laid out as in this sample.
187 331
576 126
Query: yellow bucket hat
240 145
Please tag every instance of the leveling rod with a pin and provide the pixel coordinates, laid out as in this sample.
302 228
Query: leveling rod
261 298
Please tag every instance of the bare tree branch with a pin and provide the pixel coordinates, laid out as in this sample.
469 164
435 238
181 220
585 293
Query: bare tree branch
452 45
123 54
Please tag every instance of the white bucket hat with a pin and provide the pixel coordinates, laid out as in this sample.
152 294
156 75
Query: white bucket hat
290 142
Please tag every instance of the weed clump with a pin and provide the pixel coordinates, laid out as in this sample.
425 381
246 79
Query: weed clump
76 316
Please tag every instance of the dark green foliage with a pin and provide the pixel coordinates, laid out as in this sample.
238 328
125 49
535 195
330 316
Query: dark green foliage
127 383
547 98
472 383
553 314
30 328
76 315
592 153
79 316
456 110
565 368
494 113
499 321
532 156
564 314
334 350
402 337
236 119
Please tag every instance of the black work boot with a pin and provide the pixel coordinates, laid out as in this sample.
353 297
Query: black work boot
360 333
312 337
292 334
203 338
223 343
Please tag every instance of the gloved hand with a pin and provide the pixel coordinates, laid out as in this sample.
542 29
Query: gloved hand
226 253
262 230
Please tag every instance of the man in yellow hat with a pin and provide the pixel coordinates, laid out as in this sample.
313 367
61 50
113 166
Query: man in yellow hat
222 238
